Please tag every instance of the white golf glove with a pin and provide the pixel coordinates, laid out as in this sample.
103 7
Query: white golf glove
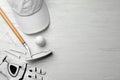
15 69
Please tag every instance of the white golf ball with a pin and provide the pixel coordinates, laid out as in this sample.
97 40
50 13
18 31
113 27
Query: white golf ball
40 41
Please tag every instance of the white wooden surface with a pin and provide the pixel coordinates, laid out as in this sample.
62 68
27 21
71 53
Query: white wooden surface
85 38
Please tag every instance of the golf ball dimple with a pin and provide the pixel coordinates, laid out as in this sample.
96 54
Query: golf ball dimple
40 41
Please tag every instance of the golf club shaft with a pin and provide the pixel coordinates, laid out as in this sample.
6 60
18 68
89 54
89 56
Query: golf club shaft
15 31
12 26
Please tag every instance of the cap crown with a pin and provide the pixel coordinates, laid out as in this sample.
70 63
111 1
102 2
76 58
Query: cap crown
25 7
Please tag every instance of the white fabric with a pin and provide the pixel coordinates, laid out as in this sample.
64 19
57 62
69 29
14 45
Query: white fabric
11 60
32 16
4 70
25 7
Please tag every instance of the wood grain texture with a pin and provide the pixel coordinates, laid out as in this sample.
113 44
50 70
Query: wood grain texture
84 35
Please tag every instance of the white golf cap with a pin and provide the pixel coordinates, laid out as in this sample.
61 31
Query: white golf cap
31 15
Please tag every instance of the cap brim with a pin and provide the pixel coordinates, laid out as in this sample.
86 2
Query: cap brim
34 23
